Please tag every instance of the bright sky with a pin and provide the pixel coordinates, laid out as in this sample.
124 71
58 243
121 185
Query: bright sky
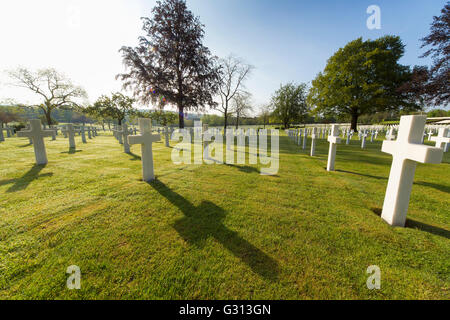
285 40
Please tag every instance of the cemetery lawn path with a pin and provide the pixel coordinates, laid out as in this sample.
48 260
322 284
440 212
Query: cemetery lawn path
216 231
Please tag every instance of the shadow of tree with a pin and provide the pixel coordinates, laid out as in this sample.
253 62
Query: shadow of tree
205 221
24 181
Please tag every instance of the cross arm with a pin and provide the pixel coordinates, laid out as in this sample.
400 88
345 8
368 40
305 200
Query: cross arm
136 140
413 151
24 134
334 139
440 139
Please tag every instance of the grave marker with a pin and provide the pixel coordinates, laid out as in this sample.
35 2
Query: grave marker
407 150
70 132
313 141
125 132
36 134
333 139
441 140
146 139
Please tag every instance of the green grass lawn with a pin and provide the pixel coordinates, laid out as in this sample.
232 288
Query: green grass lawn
216 231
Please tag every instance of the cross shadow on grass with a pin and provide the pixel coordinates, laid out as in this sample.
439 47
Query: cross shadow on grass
243 168
362 174
23 182
72 151
413 224
25 145
442 188
135 157
205 221
434 185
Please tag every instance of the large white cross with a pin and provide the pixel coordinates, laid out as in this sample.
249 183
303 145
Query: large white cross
145 139
37 135
333 139
441 140
407 150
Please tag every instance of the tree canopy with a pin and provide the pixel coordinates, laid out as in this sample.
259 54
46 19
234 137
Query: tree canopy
361 78
436 82
171 64
118 106
289 103
55 89
233 72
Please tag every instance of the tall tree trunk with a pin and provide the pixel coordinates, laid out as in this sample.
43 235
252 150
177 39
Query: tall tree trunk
354 125
181 115
48 116
237 121
225 124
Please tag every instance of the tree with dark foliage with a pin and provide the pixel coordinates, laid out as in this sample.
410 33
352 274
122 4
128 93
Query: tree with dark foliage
362 78
170 63
437 81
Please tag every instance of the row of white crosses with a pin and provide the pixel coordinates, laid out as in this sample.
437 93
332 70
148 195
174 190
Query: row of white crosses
9 132
36 135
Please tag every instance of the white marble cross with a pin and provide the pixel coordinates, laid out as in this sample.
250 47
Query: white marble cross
83 134
441 140
305 138
363 136
407 150
37 135
145 139
333 139
313 141
430 134
2 137
347 142
391 135
125 132
119 134
166 136
70 132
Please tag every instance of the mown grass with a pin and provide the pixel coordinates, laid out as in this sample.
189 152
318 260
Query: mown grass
216 231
